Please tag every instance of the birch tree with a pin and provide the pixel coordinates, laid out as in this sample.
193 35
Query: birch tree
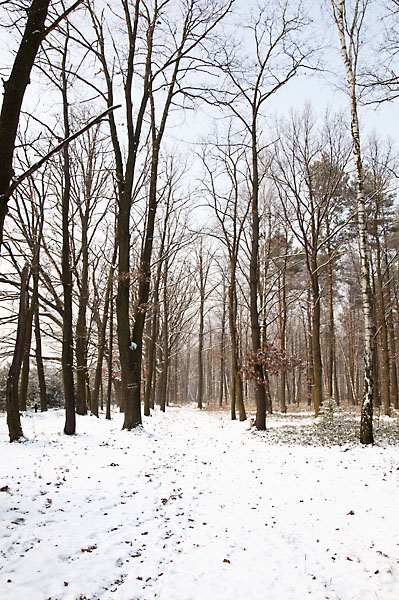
349 19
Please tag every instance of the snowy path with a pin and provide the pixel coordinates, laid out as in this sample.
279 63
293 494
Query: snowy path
194 507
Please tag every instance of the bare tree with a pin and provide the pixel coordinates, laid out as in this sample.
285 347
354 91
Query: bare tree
349 18
275 59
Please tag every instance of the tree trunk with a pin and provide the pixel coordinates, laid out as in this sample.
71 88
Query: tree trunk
154 324
81 329
133 400
237 392
316 350
222 349
13 418
333 390
366 423
392 340
165 336
200 353
39 363
282 319
66 275
110 359
24 379
260 392
209 375
386 395
101 340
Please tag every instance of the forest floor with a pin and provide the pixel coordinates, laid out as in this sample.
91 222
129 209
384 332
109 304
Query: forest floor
194 506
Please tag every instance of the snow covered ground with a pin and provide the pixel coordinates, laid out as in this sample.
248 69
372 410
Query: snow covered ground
194 507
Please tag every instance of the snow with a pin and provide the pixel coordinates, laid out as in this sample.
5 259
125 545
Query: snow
194 507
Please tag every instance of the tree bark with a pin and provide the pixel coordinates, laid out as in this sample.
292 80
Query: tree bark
66 275
165 337
12 404
200 390
110 359
260 392
24 379
101 340
282 320
316 349
366 424
392 340
39 363
333 390
386 393
237 391
222 367
154 324
81 329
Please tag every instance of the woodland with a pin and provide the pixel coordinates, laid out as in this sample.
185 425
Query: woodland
166 237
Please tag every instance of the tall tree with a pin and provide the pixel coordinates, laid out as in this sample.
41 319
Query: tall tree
66 275
249 83
349 18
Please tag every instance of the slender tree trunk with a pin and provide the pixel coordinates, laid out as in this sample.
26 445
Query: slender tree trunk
237 391
81 328
209 376
200 354
333 390
101 340
316 349
149 369
39 363
386 393
110 359
260 392
222 349
309 353
13 418
24 379
392 340
154 325
165 336
282 318
23 391
66 275
35 303
366 424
